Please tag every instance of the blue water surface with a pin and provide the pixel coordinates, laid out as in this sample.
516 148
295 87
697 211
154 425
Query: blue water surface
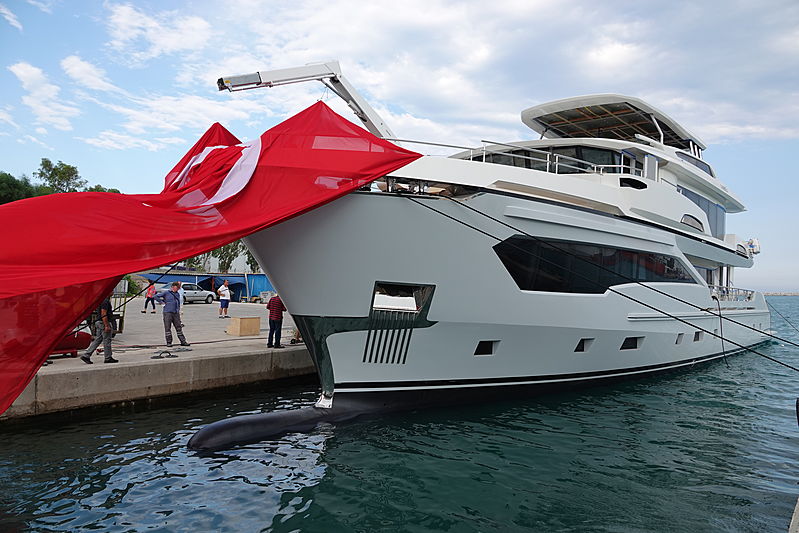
712 449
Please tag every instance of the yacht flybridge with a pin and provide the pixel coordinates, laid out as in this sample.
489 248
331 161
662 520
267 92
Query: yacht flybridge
596 252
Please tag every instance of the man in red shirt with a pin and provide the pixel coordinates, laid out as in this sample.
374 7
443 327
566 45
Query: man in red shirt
276 309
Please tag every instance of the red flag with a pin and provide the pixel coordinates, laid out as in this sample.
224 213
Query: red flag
69 250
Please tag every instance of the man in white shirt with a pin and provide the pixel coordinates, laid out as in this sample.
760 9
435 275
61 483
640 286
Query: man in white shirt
182 294
224 299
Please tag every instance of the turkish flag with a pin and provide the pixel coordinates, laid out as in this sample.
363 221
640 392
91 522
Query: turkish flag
66 252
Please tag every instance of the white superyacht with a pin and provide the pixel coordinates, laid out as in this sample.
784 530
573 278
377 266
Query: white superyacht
597 252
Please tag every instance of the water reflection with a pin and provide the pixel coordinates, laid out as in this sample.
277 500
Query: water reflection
113 474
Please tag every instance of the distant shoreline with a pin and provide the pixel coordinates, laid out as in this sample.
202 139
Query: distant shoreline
781 293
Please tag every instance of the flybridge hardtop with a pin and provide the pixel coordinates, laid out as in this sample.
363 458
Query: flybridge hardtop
611 116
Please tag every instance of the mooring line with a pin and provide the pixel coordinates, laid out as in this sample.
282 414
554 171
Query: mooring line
631 280
628 297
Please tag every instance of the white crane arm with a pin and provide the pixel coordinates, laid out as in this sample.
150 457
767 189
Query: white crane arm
328 73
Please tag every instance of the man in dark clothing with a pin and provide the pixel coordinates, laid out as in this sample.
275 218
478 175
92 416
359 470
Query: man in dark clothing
102 318
172 301
276 309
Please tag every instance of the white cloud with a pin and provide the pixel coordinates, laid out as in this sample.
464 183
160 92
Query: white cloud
45 6
34 140
10 17
41 131
787 42
119 141
87 74
42 97
5 116
611 57
142 37
438 66
434 76
172 113
721 121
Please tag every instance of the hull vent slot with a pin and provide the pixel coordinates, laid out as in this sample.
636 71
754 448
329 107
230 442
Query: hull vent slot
389 336
397 308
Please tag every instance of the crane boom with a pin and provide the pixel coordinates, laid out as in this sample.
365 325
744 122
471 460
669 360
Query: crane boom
328 73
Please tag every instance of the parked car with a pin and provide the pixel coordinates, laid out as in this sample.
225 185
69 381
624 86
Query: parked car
262 297
192 293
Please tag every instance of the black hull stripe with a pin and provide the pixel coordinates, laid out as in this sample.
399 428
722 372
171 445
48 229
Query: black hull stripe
531 379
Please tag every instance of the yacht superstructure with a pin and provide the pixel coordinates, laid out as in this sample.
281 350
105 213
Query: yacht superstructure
596 252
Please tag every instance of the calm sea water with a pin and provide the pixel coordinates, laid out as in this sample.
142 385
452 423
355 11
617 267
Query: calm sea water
714 449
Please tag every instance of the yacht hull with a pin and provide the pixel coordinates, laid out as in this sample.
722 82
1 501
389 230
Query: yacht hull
477 331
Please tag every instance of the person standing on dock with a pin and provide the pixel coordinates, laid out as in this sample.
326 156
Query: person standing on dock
102 318
172 302
224 299
149 297
182 294
276 309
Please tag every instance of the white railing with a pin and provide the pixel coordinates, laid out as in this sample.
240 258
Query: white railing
731 294
554 163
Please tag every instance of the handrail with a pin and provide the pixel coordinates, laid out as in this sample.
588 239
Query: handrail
554 162
541 151
431 143
731 294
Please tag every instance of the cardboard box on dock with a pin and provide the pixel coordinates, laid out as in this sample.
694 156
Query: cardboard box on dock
241 326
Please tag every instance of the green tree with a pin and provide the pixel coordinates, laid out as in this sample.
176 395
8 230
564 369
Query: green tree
59 177
251 261
227 254
133 288
199 262
12 189
100 188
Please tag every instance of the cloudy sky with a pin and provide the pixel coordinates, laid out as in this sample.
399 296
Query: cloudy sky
122 90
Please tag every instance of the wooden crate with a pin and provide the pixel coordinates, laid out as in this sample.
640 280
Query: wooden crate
241 326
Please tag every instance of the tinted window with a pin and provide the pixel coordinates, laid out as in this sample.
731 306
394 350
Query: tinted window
598 156
563 165
537 159
716 214
698 163
558 266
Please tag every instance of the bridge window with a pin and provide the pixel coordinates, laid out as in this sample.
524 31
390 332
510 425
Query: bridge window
698 163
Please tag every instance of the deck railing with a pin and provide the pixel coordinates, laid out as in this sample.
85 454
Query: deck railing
731 294
554 163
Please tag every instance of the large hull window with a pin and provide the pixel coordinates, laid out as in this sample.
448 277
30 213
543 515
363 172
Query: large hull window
559 266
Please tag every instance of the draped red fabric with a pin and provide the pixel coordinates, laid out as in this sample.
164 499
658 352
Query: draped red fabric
216 135
67 251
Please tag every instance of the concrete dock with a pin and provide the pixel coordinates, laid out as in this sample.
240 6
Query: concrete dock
215 360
